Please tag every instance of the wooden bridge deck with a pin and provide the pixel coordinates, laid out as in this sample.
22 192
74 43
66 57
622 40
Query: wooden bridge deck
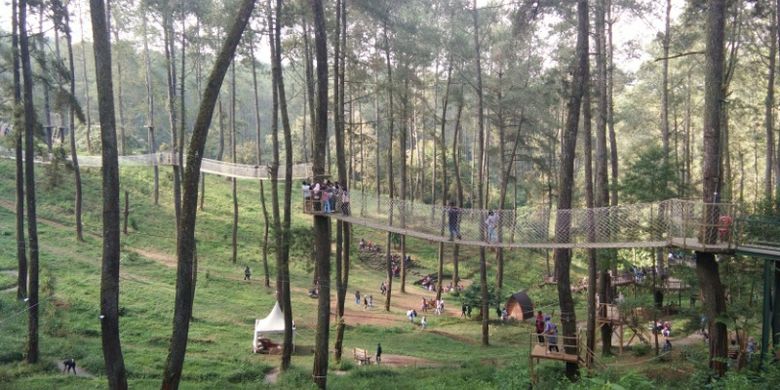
540 352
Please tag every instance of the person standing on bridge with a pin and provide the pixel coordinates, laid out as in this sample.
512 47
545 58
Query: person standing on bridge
345 201
453 215
492 223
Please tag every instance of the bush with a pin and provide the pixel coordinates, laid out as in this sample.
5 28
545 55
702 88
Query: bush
513 376
641 349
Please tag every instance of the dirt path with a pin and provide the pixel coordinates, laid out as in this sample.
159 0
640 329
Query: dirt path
80 372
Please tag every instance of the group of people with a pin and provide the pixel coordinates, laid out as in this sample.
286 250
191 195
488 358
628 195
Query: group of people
368 246
324 196
437 304
453 222
428 282
411 314
546 330
367 300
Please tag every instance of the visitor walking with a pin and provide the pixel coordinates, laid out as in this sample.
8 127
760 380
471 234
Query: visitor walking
492 226
357 297
540 326
378 353
247 273
344 201
551 330
423 322
453 215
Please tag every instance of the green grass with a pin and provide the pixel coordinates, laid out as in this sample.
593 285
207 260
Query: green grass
219 350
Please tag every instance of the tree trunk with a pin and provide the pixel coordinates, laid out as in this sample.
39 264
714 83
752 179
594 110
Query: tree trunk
29 176
185 245
706 267
259 155
613 159
170 64
309 81
601 195
444 184
482 201
777 148
566 184
665 83
456 158
768 110
72 123
390 179
19 130
283 250
589 200
109 280
342 266
150 110
402 151
119 95
88 110
321 223
233 139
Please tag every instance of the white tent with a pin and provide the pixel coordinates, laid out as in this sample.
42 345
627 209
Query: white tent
272 323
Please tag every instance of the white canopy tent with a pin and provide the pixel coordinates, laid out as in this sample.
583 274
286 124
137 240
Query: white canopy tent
272 323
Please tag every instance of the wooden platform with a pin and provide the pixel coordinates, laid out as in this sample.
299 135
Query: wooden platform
539 352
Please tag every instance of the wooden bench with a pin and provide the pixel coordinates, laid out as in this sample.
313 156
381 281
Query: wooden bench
361 356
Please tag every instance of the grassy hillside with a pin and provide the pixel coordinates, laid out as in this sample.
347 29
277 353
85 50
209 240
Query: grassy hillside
446 355
226 306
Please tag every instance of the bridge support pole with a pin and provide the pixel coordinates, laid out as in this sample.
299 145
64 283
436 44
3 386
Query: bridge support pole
767 311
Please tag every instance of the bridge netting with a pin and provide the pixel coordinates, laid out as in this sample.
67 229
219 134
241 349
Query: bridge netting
672 222
215 167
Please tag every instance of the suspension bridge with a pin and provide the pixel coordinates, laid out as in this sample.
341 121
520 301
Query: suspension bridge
684 224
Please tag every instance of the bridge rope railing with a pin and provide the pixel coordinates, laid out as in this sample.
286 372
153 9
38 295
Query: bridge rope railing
669 222
215 167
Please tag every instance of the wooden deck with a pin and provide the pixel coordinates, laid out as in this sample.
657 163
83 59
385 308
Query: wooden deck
539 352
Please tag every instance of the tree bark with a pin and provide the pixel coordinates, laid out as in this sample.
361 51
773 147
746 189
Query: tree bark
665 83
456 158
706 267
589 201
150 110
343 263
259 155
119 95
566 184
283 250
402 151
769 110
321 223
601 195
481 180
109 281
233 183
613 158
29 176
444 184
170 64
186 243
390 179
19 131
